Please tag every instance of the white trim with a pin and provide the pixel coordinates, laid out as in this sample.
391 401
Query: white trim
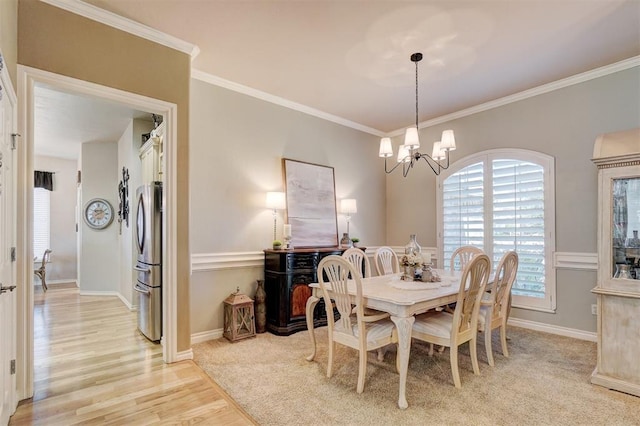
579 261
126 303
99 293
27 79
255 93
58 282
205 336
130 26
214 261
530 93
590 336
202 262
184 355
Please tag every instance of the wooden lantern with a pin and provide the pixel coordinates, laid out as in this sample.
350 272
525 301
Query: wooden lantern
238 317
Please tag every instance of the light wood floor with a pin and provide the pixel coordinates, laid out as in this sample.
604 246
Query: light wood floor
93 367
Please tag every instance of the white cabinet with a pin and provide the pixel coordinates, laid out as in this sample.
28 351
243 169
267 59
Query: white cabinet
617 156
151 156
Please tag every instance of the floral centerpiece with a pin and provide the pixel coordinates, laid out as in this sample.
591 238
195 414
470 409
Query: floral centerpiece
412 264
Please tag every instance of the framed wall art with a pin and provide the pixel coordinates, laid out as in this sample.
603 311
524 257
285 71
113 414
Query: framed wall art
311 204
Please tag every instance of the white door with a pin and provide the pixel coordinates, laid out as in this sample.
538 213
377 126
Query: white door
8 393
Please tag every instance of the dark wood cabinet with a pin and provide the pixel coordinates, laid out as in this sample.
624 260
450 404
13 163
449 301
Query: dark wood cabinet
287 275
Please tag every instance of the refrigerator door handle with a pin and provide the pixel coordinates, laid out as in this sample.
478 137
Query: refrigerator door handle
137 268
141 290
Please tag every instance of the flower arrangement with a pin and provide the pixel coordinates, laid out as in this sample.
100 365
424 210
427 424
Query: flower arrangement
413 260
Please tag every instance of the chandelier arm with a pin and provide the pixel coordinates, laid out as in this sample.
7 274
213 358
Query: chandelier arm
426 158
392 169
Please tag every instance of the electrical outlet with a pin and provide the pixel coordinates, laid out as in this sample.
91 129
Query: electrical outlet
594 309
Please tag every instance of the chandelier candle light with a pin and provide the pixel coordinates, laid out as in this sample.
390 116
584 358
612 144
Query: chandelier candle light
408 154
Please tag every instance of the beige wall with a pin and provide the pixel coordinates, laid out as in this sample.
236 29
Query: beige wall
237 144
74 46
9 36
564 124
64 256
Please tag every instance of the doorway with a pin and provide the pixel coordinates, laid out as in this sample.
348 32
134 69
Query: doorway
28 79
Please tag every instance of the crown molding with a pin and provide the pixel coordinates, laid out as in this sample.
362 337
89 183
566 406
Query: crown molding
236 87
545 88
130 26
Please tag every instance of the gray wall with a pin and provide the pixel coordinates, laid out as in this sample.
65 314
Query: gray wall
99 250
564 124
237 143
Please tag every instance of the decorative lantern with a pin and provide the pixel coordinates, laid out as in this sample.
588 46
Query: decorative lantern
238 317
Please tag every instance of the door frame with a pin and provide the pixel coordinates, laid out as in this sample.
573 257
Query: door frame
27 79
9 91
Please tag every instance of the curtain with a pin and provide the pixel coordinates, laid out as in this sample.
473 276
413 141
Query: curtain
43 180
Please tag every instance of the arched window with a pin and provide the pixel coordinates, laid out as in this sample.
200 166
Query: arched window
501 200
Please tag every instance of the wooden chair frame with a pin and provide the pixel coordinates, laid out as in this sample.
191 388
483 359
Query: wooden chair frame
41 272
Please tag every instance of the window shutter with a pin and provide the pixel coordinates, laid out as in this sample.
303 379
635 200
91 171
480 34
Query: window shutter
518 221
463 209
41 221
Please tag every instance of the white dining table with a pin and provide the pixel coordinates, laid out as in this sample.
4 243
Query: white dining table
402 300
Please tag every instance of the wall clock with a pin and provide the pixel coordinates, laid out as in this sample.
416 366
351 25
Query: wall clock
98 213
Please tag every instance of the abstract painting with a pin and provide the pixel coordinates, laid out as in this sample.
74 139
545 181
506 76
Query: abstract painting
311 204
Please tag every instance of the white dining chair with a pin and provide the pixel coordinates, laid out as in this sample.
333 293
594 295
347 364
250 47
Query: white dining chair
453 329
494 307
355 328
359 260
386 261
461 256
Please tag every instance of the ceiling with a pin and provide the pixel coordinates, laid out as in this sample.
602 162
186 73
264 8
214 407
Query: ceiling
350 59
63 121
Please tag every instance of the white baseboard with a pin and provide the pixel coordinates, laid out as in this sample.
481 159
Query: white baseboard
129 306
554 329
56 282
184 355
99 293
203 336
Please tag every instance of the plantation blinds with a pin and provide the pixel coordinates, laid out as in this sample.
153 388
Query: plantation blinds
499 202
41 221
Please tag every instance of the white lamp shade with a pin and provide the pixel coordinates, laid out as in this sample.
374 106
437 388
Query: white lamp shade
348 206
448 140
276 200
386 150
438 153
411 140
403 154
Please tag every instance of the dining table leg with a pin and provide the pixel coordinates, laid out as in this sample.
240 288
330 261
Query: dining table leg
404 326
312 301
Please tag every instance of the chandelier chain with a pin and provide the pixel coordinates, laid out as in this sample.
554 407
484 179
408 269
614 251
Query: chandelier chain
416 62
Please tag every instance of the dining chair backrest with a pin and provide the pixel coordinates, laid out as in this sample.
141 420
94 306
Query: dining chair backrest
503 281
386 261
461 256
359 260
337 271
472 285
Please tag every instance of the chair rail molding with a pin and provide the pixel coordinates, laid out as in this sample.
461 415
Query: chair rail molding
578 261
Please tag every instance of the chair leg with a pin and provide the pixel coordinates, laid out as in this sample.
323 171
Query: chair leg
474 355
362 370
487 346
503 339
430 349
381 352
44 283
454 366
330 362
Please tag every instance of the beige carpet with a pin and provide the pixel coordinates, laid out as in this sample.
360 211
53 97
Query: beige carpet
545 381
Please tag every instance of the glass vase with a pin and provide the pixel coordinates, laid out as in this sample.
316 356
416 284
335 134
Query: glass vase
622 272
345 241
413 247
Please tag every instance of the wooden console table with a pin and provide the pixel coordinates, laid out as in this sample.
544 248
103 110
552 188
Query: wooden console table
287 275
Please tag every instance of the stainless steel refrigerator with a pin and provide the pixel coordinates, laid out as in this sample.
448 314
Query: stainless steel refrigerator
149 265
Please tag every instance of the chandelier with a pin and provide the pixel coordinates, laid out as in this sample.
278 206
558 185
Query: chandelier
408 153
